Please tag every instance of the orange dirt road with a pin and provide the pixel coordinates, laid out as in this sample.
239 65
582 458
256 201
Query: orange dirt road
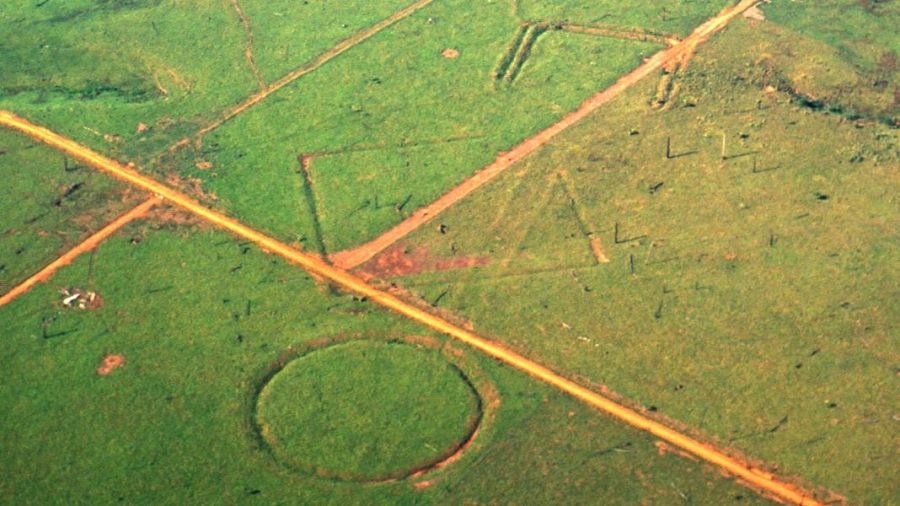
88 244
757 478
351 258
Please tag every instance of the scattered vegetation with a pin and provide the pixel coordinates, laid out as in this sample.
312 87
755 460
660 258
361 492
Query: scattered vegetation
47 205
392 124
179 411
750 292
679 16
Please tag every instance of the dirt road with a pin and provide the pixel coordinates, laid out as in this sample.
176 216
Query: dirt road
88 244
350 258
756 478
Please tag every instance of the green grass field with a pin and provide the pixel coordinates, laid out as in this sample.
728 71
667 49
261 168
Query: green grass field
752 298
721 261
49 205
199 336
679 17
401 410
376 155
95 70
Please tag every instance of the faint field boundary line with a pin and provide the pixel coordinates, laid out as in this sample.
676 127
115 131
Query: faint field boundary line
317 62
354 257
87 245
248 47
312 203
744 471
619 33
584 222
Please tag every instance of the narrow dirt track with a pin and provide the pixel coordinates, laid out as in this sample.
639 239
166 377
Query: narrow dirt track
88 244
351 258
616 33
248 46
757 478
322 59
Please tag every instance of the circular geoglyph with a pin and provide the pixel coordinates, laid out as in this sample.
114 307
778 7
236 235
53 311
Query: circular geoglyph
367 411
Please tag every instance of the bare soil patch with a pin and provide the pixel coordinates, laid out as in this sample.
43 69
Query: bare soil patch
450 53
171 215
400 260
192 186
110 363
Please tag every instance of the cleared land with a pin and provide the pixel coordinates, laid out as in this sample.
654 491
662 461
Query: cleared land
402 411
88 244
751 298
179 411
131 78
353 257
746 471
50 204
753 248
374 155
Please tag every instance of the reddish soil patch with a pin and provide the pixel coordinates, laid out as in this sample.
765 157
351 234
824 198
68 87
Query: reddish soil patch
450 53
171 215
400 260
192 186
110 363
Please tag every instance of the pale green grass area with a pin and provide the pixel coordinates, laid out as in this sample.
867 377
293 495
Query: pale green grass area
678 17
762 307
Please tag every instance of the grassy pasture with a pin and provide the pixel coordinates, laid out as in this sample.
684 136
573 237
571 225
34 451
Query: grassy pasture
401 409
851 64
392 124
287 33
752 298
679 17
95 70
861 31
200 318
47 205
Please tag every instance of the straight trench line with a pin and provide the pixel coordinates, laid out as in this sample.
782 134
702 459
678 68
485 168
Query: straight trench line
88 244
248 45
322 59
757 478
354 257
